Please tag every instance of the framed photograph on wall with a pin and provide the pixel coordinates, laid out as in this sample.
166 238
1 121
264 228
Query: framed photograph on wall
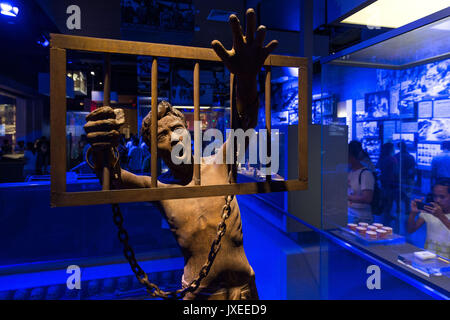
359 132
389 128
372 146
441 108
324 107
425 109
370 129
377 105
406 109
407 127
408 138
434 129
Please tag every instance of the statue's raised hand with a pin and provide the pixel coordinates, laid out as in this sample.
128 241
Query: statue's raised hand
248 53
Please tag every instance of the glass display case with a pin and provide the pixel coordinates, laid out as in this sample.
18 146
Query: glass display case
396 89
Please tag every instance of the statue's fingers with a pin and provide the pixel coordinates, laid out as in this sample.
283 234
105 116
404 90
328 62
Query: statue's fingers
101 113
270 47
101 125
251 26
111 137
220 50
238 39
260 35
120 116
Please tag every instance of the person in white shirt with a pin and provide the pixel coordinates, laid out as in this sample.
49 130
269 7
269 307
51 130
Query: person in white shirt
360 186
436 217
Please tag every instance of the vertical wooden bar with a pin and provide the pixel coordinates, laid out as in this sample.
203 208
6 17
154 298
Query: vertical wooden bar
268 96
154 125
303 123
232 166
58 120
197 125
231 99
106 175
107 80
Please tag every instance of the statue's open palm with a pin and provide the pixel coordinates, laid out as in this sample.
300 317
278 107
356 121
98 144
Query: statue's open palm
248 53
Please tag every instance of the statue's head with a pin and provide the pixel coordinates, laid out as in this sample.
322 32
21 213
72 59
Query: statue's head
170 121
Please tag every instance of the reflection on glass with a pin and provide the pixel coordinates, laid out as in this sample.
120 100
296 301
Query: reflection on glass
8 127
400 122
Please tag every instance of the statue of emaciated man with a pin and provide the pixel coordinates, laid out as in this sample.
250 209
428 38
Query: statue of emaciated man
194 221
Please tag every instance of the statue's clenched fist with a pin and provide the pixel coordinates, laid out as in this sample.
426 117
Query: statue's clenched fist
102 127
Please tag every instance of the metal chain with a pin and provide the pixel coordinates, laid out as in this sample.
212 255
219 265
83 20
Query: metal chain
142 276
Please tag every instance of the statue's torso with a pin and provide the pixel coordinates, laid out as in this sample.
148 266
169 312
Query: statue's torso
194 223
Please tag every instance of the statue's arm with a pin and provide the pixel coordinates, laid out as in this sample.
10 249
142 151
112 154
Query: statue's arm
245 61
129 180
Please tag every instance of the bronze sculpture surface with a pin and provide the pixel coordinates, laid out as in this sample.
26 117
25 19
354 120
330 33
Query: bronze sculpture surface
194 221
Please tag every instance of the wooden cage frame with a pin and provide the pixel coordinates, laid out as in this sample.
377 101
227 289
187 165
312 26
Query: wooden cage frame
59 197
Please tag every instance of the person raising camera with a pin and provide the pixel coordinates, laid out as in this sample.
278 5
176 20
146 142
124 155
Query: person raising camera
436 215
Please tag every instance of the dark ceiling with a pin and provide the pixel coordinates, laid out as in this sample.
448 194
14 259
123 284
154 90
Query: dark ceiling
21 57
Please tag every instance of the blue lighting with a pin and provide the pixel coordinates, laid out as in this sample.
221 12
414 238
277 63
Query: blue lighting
8 10
293 72
44 42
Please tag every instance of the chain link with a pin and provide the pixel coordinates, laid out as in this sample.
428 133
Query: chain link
142 276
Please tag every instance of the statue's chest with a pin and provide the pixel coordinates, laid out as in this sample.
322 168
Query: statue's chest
193 214
196 214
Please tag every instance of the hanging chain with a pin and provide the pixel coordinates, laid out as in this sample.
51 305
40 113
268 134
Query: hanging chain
140 274
129 254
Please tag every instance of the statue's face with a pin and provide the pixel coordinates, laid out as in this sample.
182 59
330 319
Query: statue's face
168 128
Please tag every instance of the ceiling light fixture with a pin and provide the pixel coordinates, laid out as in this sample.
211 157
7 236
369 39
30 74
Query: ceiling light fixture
8 10
395 13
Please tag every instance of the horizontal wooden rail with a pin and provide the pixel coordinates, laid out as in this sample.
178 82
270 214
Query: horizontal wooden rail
149 194
156 50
